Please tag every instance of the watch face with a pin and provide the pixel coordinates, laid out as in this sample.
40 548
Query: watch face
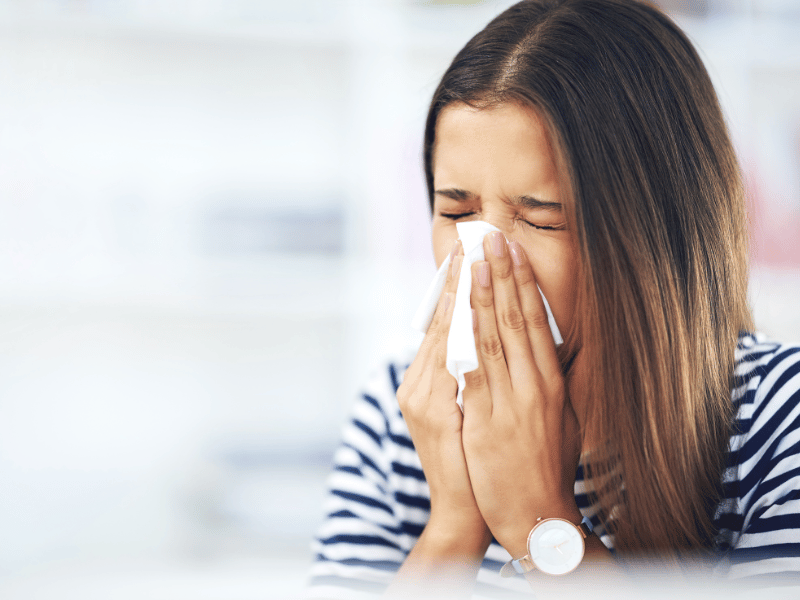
556 546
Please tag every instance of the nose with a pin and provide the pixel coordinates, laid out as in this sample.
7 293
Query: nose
503 222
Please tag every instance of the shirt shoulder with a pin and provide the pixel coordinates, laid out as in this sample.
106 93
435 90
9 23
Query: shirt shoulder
766 394
759 516
380 389
370 524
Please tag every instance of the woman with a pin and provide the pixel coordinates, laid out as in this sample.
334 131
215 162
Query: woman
589 134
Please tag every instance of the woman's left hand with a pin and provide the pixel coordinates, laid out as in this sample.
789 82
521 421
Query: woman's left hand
521 437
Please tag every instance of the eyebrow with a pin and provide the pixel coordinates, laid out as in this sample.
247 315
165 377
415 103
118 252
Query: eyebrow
526 201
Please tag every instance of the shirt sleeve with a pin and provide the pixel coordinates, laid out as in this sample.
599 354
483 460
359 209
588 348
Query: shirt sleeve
361 542
769 544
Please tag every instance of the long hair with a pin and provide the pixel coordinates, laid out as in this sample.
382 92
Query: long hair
659 222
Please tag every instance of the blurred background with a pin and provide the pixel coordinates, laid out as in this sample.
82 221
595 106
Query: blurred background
213 227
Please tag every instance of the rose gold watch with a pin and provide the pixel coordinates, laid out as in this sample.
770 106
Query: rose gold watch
555 547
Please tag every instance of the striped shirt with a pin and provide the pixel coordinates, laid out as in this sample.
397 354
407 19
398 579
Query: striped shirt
379 501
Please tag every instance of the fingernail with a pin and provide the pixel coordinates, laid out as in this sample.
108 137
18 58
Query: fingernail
447 301
454 250
455 265
498 244
516 253
483 274
474 319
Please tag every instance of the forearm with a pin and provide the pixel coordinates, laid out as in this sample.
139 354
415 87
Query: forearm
444 562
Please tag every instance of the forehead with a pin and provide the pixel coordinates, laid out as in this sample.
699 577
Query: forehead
506 144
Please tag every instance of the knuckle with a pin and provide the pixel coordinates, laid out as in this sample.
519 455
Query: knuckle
440 356
433 335
410 408
485 300
491 347
409 398
524 277
538 319
513 319
474 379
403 395
503 270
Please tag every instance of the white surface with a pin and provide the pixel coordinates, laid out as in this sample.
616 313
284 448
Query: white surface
275 577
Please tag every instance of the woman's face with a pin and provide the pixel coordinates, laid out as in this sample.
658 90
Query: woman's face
496 165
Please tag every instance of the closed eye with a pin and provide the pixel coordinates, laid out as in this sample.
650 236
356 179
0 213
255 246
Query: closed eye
546 227
456 216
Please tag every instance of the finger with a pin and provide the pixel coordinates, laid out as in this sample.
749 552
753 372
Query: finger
489 344
450 287
439 342
510 321
456 259
477 397
434 332
537 323
433 329
447 284
440 350
429 369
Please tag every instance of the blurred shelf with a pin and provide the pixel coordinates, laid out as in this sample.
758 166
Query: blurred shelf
759 36
338 24
768 41
310 35
312 286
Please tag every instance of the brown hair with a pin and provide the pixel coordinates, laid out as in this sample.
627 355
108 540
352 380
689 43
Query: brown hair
659 222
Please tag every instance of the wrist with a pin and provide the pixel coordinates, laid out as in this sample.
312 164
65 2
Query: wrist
555 546
454 534
445 560
515 537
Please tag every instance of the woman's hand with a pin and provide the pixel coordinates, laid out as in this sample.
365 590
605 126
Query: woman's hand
448 554
427 399
520 435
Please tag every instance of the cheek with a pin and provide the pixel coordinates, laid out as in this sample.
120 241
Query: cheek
556 273
562 303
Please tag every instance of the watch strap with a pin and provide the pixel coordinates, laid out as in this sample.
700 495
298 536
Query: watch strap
517 566
520 566
586 527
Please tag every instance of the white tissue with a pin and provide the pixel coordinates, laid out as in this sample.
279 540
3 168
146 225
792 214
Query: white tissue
462 356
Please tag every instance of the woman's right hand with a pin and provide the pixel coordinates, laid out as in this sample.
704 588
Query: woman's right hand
427 399
445 559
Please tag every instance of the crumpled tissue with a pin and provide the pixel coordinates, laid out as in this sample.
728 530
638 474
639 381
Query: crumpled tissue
462 356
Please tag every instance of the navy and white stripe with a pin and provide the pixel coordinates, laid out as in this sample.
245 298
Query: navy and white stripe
759 516
379 500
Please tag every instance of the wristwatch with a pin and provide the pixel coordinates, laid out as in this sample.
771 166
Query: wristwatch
555 547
